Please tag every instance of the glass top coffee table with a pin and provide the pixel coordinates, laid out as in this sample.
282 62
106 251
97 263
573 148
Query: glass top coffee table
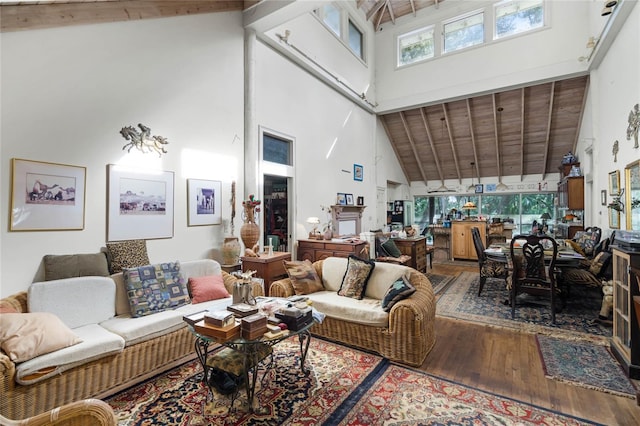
243 357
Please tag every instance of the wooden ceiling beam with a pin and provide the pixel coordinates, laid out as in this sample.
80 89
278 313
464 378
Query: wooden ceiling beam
547 141
584 104
423 114
390 9
497 132
522 115
413 148
413 7
453 149
379 20
395 149
473 140
376 7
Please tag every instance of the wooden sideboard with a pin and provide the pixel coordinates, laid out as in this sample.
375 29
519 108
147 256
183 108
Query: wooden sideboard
313 250
462 246
417 249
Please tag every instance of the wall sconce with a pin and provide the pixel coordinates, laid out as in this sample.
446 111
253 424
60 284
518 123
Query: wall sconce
142 140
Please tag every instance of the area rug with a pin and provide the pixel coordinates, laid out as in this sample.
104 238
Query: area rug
440 282
345 387
578 319
583 364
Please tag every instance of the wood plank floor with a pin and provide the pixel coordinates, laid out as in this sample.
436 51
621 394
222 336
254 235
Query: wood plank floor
507 363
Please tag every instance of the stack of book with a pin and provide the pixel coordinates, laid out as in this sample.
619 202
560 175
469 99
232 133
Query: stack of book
242 309
295 318
221 334
254 326
220 318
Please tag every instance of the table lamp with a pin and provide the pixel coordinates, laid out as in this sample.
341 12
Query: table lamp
315 222
545 216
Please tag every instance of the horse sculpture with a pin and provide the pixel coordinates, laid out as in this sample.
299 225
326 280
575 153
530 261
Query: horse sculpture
143 140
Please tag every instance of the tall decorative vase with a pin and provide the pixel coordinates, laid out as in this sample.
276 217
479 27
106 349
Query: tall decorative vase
230 250
249 231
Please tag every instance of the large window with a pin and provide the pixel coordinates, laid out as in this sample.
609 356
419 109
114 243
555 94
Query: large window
331 18
356 40
416 46
513 17
338 21
463 32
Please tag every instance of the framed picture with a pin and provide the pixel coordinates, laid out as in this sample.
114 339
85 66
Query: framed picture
46 196
342 199
358 172
140 204
614 183
349 198
203 202
603 197
614 219
479 188
360 201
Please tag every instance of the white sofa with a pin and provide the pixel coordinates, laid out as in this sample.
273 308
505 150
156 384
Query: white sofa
116 351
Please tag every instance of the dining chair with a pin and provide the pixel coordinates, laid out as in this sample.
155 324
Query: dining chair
533 269
489 268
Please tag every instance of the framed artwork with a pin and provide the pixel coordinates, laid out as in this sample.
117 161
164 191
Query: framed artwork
342 199
603 197
479 188
360 201
46 196
349 198
140 204
614 182
614 219
632 195
203 202
358 172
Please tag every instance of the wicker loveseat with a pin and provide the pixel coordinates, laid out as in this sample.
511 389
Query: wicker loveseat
150 344
405 334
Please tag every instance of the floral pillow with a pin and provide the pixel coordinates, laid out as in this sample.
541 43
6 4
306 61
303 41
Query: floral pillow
155 288
354 282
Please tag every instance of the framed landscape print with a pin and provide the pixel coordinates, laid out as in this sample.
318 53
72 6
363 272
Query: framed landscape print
614 183
140 204
614 219
46 196
204 205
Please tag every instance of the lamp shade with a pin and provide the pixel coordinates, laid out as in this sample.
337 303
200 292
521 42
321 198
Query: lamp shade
469 206
313 220
545 216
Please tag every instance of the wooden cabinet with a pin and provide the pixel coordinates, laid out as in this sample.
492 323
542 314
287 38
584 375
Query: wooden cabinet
462 241
268 267
313 250
571 193
417 249
625 343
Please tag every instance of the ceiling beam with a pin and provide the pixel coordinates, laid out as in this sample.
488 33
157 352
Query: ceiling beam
522 115
584 104
413 148
395 148
376 7
390 9
453 149
413 7
497 132
423 114
379 20
547 142
473 141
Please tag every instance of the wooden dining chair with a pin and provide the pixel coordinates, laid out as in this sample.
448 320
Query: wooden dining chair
489 268
533 270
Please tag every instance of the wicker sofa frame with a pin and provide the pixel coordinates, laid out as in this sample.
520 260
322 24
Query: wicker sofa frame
99 378
409 337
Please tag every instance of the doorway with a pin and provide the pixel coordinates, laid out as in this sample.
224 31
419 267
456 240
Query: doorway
276 214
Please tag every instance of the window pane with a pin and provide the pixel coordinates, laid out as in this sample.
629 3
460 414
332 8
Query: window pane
464 32
533 206
276 150
331 17
518 16
355 39
415 46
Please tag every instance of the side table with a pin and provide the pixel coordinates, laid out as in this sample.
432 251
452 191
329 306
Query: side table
268 267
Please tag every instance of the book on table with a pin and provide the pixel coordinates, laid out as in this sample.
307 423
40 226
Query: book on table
242 309
228 332
219 318
194 318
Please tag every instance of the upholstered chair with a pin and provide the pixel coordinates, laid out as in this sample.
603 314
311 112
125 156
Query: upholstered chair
489 268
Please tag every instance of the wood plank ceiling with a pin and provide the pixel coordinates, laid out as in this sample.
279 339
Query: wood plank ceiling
514 132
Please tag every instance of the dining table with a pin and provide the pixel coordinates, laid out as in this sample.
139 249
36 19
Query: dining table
567 257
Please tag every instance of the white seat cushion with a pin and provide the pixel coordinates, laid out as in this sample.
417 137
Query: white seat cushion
211 305
136 330
96 343
366 311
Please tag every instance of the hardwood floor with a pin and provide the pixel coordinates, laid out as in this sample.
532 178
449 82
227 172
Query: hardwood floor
507 363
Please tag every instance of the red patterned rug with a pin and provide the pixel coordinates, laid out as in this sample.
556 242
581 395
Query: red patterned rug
344 387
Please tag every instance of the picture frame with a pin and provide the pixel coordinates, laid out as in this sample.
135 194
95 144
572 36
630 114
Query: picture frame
140 203
47 196
204 206
358 172
349 199
360 201
341 200
614 219
614 183
603 197
479 188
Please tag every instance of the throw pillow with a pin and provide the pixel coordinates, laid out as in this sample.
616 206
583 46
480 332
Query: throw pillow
26 336
354 281
580 277
391 248
127 254
204 289
155 288
401 289
576 247
57 267
600 263
304 277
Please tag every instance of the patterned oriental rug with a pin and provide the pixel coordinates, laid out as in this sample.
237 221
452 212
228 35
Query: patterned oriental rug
583 364
440 282
578 320
345 387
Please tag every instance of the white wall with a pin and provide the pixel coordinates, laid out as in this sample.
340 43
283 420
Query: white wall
67 92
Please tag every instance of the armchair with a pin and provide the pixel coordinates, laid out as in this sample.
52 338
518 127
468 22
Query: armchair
88 412
489 268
